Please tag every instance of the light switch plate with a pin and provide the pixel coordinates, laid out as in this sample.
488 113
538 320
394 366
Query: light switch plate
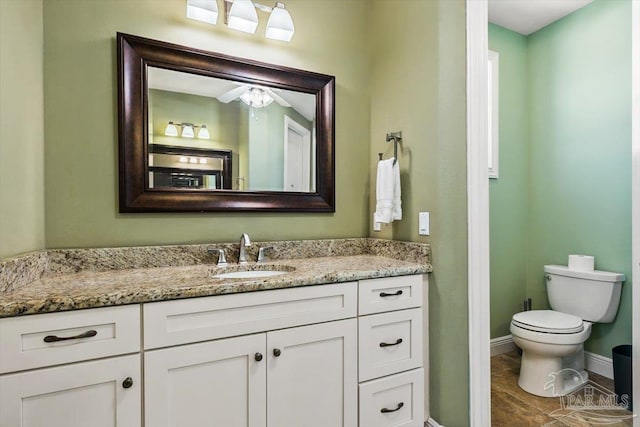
376 225
423 223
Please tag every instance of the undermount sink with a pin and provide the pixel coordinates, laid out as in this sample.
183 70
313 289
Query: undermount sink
251 272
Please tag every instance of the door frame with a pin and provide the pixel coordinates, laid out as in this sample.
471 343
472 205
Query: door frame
478 212
290 124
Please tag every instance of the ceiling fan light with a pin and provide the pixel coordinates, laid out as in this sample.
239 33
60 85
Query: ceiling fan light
171 130
203 10
280 24
243 16
246 97
203 133
266 99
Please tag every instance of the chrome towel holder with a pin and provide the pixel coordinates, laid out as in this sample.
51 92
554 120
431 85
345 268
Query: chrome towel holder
396 137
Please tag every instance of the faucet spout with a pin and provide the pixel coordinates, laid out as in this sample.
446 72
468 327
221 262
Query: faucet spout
245 242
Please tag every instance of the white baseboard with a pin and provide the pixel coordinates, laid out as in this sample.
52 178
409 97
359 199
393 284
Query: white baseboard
502 345
432 423
599 364
593 362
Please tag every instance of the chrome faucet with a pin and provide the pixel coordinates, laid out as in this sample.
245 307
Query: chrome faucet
245 242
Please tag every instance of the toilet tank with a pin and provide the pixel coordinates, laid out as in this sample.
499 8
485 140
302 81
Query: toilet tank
591 295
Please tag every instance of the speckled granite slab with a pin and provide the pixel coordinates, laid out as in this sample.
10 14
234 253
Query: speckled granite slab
70 279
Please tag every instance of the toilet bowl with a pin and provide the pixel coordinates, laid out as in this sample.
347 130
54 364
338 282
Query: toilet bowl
552 341
552 351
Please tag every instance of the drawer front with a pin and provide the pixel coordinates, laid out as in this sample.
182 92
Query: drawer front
192 320
390 293
396 401
390 343
51 339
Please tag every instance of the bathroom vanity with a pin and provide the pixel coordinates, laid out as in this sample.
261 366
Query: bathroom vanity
351 350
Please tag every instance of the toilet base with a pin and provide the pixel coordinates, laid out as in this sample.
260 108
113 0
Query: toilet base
552 376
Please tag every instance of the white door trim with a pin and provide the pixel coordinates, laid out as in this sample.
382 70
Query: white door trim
635 197
289 123
478 213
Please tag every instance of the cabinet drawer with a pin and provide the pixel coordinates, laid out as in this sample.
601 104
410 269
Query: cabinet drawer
390 343
396 401
192 320
390 293
51 339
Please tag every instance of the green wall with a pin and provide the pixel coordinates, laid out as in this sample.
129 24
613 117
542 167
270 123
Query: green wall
576 198
417 75
508 195
81 118
407 77
21 128
580 151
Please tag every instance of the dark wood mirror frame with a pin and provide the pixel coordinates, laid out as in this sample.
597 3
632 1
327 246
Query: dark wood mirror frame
136 53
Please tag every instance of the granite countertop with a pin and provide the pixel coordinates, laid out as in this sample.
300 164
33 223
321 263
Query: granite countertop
88 278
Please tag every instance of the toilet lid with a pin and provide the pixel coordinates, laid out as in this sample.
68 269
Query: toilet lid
548 321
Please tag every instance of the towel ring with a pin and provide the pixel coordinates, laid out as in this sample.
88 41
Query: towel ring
396 137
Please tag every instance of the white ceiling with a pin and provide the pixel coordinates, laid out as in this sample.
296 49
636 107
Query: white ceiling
528 16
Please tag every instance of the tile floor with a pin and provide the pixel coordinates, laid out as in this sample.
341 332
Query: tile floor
513 407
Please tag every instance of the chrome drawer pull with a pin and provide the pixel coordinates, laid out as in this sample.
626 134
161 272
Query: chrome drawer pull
53 338
385 410
386 344
384 294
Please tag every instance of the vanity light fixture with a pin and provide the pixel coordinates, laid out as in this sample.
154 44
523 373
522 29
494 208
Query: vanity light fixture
203 10
280 24
203 133
187 130
171 130
241 15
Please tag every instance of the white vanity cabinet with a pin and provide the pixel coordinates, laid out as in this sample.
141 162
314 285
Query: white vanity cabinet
337 355
285 375
104 392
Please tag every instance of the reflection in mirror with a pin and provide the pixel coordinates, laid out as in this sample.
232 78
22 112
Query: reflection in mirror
209 133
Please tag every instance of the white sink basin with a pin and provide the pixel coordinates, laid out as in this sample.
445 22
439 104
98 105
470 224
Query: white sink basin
252 274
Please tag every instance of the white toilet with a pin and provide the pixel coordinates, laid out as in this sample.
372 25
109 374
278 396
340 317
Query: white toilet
552 340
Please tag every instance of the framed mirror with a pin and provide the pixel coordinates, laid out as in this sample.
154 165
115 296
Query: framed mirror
201 131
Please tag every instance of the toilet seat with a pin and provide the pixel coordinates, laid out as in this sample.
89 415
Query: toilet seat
548 321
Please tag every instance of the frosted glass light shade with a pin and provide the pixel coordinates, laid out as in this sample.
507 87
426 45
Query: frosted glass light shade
203 133
280 25
203 10
256 97
243 16
187 131
171 130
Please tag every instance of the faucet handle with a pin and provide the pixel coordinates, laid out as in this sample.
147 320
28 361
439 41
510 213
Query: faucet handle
261 253
222 259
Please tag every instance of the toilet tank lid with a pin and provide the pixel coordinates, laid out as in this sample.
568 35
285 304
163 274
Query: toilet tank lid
602 276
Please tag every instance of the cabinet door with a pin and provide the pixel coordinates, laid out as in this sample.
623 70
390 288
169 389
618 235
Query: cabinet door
79 395
312 372
215 383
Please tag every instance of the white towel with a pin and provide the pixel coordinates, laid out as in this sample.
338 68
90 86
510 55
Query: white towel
388 198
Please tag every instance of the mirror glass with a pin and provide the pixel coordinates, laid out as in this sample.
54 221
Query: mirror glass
208 133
